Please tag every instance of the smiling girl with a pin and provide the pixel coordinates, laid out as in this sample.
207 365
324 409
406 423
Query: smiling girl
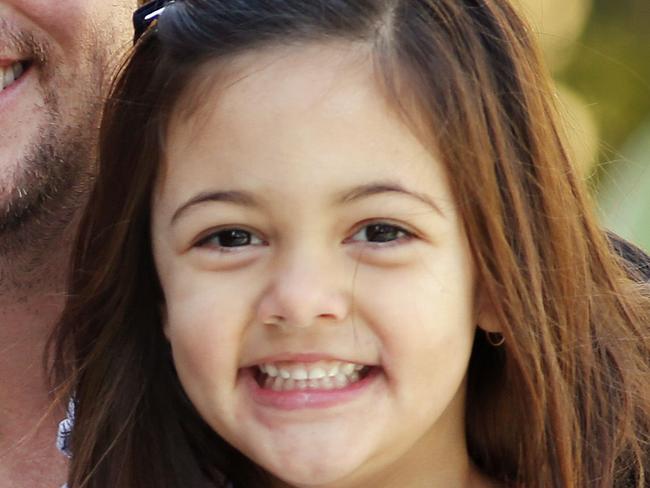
341 244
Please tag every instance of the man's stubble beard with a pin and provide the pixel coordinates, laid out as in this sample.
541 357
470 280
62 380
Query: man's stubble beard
54 177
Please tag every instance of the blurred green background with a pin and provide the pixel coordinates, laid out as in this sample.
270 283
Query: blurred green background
599 53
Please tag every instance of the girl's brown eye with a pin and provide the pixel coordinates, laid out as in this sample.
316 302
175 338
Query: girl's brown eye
230 238
383 233
380 232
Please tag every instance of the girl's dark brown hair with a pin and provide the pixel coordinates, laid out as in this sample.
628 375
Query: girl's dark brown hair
565 402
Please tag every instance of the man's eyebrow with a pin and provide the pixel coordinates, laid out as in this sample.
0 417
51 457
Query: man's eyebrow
363 191
230 196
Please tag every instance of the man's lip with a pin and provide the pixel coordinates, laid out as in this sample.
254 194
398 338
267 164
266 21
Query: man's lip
5 62
303 358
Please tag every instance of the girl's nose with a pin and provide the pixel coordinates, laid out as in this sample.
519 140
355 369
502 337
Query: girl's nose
304 292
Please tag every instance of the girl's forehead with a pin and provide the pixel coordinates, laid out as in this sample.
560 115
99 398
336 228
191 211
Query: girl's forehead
288 91
303 119
277 76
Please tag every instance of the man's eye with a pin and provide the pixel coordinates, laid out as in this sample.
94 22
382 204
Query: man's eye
380 232
230 238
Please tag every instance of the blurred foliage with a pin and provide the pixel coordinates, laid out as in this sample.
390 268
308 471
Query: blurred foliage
625 194
599 51
610 68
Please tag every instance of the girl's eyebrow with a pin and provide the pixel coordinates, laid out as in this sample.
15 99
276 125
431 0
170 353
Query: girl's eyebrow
231 196
371 189
355 193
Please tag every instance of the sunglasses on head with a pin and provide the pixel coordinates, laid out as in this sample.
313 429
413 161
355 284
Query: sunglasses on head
147 15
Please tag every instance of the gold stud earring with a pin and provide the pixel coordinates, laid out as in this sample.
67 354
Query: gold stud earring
495 339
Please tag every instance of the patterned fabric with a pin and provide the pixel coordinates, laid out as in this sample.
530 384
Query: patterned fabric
63 435
65 429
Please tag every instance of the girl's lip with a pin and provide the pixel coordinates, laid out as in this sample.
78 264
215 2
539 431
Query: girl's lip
311 399
304 358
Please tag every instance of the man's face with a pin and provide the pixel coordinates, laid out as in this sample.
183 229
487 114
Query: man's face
56 59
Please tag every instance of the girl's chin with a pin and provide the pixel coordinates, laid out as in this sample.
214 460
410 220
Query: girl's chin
316 471
315 455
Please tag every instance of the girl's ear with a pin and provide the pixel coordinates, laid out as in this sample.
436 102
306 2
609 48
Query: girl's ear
486 317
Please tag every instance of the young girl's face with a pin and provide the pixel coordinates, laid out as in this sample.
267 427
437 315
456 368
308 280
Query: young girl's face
318 283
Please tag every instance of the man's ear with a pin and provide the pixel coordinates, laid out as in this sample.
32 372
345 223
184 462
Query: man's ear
486 317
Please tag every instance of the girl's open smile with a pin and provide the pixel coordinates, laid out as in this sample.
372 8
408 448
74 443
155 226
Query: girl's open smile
308 382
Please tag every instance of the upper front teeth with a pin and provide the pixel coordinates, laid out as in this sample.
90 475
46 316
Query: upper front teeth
9 74
310 371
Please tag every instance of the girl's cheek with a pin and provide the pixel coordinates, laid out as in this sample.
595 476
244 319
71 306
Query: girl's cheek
204 323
